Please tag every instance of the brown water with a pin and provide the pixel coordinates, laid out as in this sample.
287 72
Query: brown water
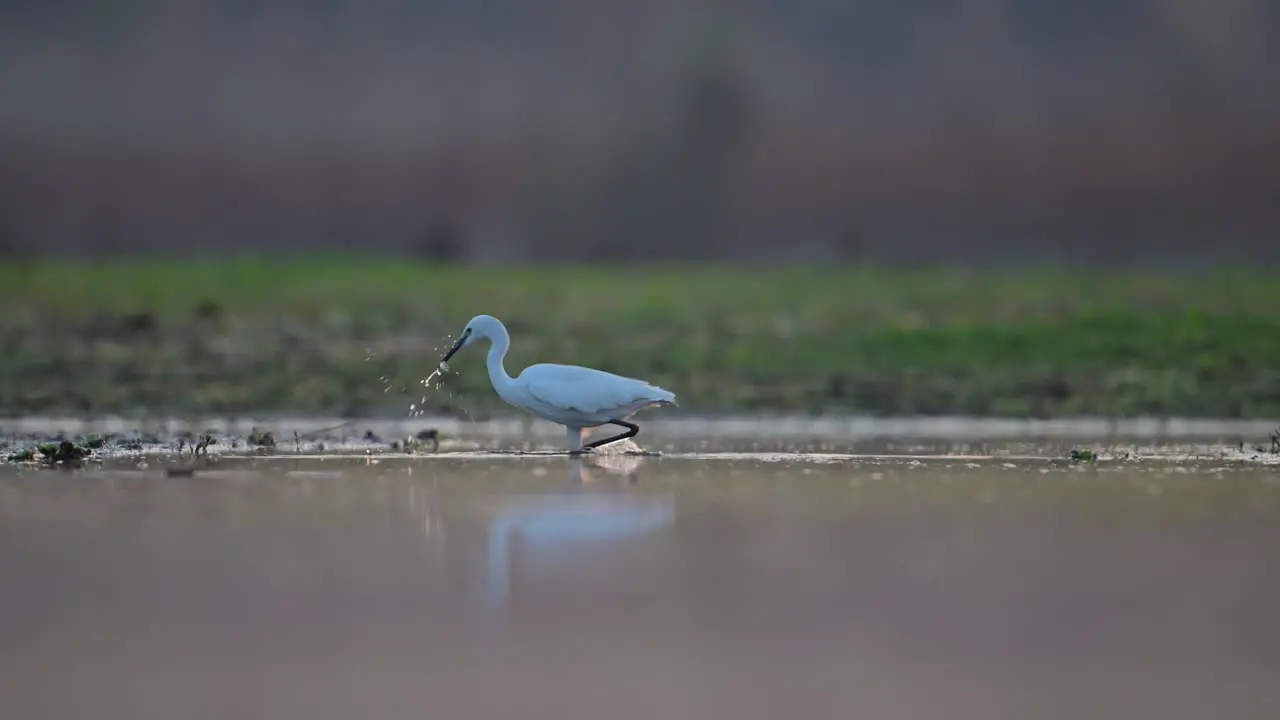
544 587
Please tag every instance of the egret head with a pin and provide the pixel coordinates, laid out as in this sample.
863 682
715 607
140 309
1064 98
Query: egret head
481 326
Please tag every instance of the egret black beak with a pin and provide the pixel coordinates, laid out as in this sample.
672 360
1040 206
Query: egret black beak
456 346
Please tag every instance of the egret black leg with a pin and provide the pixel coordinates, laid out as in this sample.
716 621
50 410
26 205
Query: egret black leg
632 431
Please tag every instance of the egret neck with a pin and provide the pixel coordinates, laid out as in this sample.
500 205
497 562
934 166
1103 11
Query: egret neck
499 341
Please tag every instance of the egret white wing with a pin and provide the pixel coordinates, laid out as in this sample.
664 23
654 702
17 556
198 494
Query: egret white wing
587 390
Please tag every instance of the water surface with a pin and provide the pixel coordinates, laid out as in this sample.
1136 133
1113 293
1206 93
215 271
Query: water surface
620 587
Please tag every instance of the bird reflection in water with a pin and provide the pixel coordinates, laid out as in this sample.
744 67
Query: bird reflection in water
554 531
614 464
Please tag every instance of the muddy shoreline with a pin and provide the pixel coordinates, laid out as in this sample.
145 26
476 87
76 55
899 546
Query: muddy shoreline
53 440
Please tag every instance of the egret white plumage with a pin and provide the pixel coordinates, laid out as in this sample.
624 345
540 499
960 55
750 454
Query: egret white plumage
576 397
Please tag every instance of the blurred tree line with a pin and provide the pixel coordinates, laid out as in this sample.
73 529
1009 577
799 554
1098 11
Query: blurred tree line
1118 131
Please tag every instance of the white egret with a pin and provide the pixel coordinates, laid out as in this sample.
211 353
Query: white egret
576 397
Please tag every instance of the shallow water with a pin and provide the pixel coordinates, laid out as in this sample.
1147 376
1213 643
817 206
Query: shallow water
618 587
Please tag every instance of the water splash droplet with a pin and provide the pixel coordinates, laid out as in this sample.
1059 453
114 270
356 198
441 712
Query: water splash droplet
419 408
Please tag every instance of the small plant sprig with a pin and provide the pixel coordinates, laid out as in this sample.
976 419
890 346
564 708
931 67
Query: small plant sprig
63 452
199 445
412 444
259 439
1085 455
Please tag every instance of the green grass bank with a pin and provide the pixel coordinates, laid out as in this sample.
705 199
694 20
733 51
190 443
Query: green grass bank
320 336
